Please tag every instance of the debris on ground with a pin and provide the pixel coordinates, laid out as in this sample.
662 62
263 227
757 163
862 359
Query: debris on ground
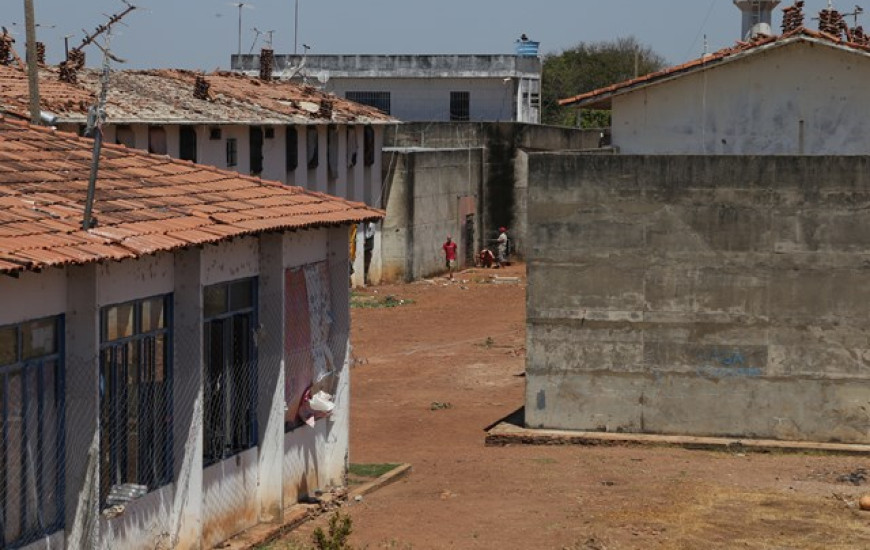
439 406
858 477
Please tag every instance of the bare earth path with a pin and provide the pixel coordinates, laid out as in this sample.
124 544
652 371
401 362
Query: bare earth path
462 344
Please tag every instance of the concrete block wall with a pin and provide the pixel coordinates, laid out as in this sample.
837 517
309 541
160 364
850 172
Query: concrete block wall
423 207
503 196
700 295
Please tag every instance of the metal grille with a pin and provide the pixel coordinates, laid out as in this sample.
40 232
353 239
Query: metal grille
229 370
31 430
460 106
135 398
378 100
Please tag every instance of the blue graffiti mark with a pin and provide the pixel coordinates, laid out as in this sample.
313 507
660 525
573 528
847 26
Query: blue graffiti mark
726 364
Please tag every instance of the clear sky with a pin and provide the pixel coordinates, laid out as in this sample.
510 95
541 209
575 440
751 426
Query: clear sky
202 34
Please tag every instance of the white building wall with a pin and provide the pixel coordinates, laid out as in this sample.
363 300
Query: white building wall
32 295
428 99
133 279
230 261
802 98
274 160
222 499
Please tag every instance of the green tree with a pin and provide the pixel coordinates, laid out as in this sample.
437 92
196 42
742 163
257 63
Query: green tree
587 67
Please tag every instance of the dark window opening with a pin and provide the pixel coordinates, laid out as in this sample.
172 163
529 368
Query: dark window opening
460 103
230 369
291 146
135 398
187 143
214 133
313 144
378 100
352 147
157 140
232 152
269 132
255 138
124 136
332 151
31 431
368 145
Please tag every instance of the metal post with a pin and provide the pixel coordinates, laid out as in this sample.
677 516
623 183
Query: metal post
296 28
241 5
32 68
97 130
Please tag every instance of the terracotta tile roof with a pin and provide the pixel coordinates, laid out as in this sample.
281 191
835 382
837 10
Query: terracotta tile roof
55 96
166 97
601 97
144 203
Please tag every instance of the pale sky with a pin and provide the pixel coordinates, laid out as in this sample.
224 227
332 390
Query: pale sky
202 34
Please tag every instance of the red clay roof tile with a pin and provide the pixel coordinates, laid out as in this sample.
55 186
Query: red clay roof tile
177 204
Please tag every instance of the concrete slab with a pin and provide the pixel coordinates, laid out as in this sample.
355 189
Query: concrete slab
507 433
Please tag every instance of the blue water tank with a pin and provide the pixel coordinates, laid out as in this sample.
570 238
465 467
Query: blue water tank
527 48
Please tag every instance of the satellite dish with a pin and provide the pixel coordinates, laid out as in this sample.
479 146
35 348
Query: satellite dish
323 77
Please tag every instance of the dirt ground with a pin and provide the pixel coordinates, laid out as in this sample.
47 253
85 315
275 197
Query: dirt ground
431 375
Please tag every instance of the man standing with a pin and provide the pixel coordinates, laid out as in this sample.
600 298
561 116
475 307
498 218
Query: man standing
450 255
502 246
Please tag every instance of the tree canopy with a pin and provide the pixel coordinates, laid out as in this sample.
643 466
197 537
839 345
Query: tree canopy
587 67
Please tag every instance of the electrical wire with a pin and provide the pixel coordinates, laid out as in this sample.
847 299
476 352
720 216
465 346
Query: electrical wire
701 30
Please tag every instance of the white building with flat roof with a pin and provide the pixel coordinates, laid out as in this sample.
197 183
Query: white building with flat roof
478 88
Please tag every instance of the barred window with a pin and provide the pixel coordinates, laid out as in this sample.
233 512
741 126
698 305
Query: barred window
135 398
460 106
378 100
232 152
31 425
230 370
291 146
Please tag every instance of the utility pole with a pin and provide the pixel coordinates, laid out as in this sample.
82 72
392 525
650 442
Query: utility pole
96 117
97 114
32 67
296 28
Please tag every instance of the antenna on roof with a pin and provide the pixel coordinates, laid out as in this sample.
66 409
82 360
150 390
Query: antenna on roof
97 116
241 5
75 58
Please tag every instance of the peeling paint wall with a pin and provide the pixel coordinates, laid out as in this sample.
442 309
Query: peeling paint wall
700 295
200 507
802 98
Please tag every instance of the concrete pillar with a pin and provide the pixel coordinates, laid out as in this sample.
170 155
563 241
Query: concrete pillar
322 179
341 182
300 175
187 400
375 267
377 169
359 174
337 444
270 390
82 400
358 278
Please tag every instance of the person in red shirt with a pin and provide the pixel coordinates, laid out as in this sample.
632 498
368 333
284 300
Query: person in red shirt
450 255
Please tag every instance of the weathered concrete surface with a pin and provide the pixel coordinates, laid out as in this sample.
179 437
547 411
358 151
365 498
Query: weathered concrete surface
498 182
429 191
797 97
506 433
721 296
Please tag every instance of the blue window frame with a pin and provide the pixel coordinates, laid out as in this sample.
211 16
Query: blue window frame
31 430
230 369
135 398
